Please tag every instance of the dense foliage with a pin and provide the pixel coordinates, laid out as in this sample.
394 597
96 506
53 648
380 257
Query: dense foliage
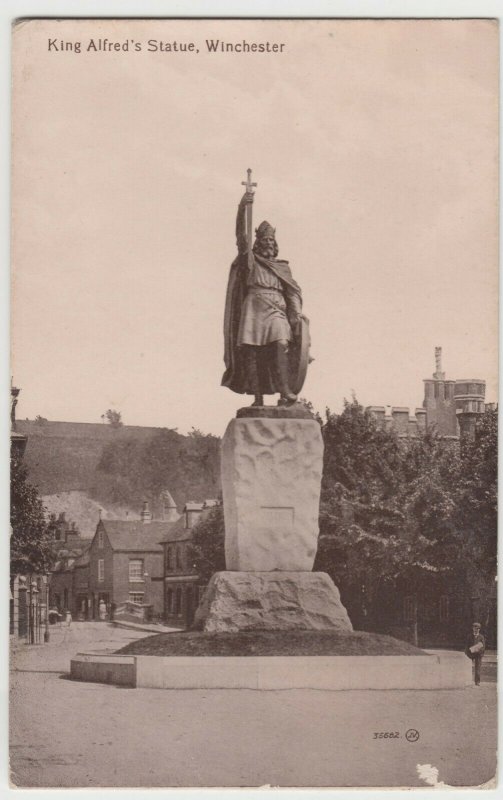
206 549
132 470
476 498
30 544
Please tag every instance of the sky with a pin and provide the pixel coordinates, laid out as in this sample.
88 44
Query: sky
374 146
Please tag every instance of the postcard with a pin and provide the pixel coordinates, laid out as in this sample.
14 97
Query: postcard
254 403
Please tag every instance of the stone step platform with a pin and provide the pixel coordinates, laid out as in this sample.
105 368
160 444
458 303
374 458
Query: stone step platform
448 670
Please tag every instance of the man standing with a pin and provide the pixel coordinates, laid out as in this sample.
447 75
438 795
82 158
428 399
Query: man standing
263 313
475 647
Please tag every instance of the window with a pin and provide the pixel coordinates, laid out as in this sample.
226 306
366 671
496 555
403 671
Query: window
179 559
101 569
169 602
409 608
443 608
170 558
136 570
136 597
101 542
178 607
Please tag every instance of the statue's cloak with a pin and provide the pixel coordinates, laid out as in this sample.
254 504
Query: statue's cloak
235 375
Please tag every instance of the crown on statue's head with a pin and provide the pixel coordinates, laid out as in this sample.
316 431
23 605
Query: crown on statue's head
265 229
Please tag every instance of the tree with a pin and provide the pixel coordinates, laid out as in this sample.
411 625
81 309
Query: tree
361 522
414 513
387 511
427 494
132 470
476 498
114 418
30 546
206 549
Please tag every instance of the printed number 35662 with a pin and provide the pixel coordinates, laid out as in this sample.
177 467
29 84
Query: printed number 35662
387 735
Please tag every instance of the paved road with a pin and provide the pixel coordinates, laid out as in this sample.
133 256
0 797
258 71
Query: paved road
68 734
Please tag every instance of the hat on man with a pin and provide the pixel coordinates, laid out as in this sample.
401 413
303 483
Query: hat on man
476 625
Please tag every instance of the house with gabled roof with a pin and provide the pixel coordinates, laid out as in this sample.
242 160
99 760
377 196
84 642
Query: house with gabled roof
126 564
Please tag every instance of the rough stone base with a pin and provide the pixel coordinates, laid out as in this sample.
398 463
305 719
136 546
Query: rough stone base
247 601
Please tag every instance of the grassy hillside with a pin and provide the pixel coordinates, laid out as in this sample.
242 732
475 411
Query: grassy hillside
120 466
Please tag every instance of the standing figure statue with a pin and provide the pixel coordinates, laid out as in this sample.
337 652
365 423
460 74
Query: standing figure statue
266 335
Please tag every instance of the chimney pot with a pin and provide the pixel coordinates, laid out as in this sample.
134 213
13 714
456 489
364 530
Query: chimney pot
146 516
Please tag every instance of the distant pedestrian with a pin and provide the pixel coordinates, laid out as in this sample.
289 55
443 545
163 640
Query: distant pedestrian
68 618
475 647
102 610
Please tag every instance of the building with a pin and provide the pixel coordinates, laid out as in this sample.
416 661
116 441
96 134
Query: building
182 585
61 593
450 407
80 587
28 600
126 563
64 533
144 562
68 546
17 440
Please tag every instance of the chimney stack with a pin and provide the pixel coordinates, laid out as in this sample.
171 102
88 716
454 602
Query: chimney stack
14 394
438 374
146 516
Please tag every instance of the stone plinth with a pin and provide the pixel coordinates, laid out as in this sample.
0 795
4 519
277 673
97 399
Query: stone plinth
271 478
296 411
282 601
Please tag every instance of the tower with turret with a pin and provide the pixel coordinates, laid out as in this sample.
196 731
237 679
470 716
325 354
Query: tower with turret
469 397
450 407
453 407
439 402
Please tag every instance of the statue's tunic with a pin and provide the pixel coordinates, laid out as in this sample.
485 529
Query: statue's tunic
263 315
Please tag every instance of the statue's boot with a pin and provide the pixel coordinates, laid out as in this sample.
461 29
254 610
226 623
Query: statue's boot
288 397
253 377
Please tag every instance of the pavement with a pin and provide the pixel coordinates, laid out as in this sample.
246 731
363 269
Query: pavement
70 734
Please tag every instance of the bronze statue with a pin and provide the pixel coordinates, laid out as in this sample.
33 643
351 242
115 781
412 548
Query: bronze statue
266 334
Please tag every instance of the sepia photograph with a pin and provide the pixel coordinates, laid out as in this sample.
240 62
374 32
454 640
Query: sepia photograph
253 403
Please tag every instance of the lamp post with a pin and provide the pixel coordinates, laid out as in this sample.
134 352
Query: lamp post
46 628
146 597
33 608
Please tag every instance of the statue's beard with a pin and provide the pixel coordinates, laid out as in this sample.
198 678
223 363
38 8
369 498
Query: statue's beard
266 251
